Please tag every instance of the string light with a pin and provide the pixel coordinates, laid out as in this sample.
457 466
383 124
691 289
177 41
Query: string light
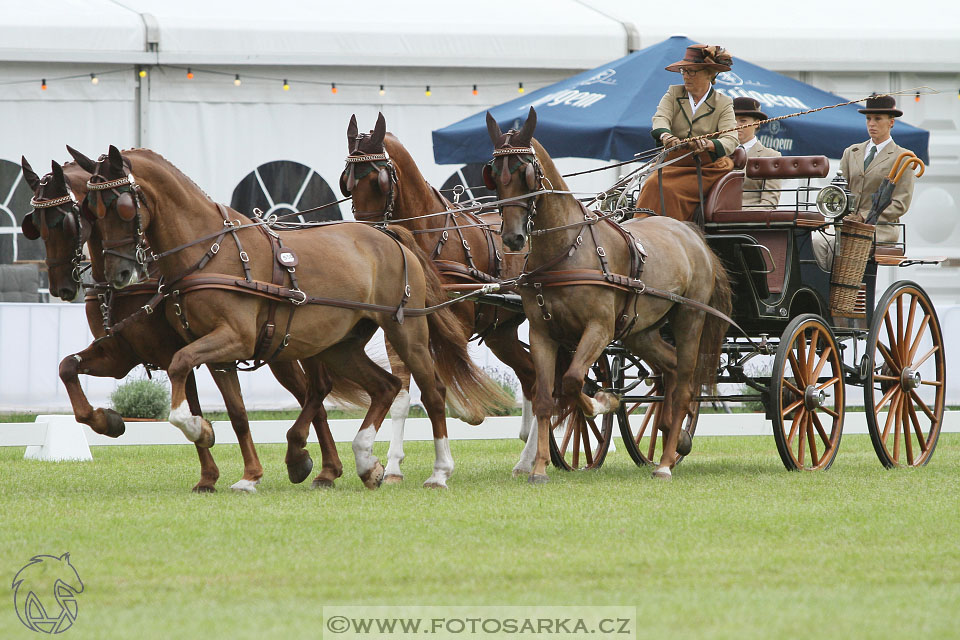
237 81
475 92
428 93
916 98
94 79
43 85
143 73
333 87
189 73
520 88
286 85
382 90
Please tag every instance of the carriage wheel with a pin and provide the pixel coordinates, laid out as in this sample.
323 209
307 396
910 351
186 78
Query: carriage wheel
904 390
807 395
639 420
583 441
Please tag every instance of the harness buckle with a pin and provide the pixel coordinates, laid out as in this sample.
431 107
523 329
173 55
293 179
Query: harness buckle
177 310
286 340
444 236
244 257
228 223
148 309
215 249
601 252
406 291
299 302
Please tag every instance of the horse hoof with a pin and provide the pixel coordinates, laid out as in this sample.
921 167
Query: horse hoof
536 478
519 473
300 471
684 444
374 477
663 473
322 483
207 437
204 488
245 486
115 425
392 478
434 485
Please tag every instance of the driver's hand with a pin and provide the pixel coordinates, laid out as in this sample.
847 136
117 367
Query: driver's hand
670 141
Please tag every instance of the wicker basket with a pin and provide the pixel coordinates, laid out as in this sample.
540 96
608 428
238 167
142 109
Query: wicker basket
849 263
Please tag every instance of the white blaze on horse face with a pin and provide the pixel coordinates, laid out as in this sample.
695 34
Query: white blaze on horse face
191 425
442 466
399 411
363 450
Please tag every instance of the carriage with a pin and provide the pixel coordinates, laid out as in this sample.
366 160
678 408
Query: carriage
796 354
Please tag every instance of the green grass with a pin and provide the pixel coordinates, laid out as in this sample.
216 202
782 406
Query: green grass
734 547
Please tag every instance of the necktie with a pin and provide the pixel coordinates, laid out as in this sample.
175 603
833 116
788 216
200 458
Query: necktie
870 157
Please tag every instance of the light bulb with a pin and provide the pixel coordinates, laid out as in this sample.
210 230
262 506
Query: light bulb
237 81
94 79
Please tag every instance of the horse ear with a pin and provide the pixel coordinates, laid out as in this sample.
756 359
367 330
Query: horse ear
526 131
352 132
29 174
30 231
58 178
493 129
379 130
85 163
116 161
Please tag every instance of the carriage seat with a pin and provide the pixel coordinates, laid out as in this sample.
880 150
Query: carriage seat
724 202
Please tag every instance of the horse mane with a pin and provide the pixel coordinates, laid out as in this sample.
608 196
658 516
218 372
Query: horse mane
153 155
550 170
404 161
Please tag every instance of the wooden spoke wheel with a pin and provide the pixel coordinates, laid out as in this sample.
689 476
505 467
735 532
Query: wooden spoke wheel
579 443
807 395
905 385
639 420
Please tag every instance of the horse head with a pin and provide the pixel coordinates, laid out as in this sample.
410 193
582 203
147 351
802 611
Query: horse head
113 200
56 218
47 581
370 176
513 153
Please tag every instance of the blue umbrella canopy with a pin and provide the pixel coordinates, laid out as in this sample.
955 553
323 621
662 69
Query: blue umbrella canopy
605 112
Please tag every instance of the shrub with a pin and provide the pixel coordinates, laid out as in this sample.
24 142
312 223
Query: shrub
509 384
141 399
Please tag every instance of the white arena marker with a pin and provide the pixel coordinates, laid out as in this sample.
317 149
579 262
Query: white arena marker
64 440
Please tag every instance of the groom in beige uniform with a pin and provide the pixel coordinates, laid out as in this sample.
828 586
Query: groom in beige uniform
747 111
864 166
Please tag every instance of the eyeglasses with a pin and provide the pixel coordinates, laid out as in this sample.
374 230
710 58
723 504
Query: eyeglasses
689 72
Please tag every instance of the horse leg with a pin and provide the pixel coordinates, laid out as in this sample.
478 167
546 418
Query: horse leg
218 346
209 473
410 342
229 386
399 411
299 463
687 326
594 340
505 344
105 358
290 375
348 359
544 353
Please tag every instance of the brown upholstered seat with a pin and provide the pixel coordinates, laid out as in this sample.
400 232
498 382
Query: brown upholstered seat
888 250
788 167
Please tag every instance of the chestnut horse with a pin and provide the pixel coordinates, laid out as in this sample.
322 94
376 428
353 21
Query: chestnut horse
582 290
387 186
349 280
134 337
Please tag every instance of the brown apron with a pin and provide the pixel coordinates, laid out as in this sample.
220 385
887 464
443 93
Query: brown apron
681 196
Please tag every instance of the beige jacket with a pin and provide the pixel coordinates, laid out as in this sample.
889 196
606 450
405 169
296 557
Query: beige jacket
715 114
865 183
752 196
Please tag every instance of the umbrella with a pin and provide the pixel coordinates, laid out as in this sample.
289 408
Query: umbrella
605 112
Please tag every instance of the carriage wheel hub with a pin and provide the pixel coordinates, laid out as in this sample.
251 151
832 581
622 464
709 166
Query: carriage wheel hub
909 379
813 398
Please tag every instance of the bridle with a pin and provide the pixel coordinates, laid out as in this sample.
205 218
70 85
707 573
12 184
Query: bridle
500 168
359 165
112 191
72 225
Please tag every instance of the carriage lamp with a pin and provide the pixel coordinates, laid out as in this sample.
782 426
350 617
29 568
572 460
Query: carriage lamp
831 201
94 79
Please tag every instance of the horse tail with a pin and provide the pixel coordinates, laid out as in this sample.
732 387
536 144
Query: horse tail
471 394
714 328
